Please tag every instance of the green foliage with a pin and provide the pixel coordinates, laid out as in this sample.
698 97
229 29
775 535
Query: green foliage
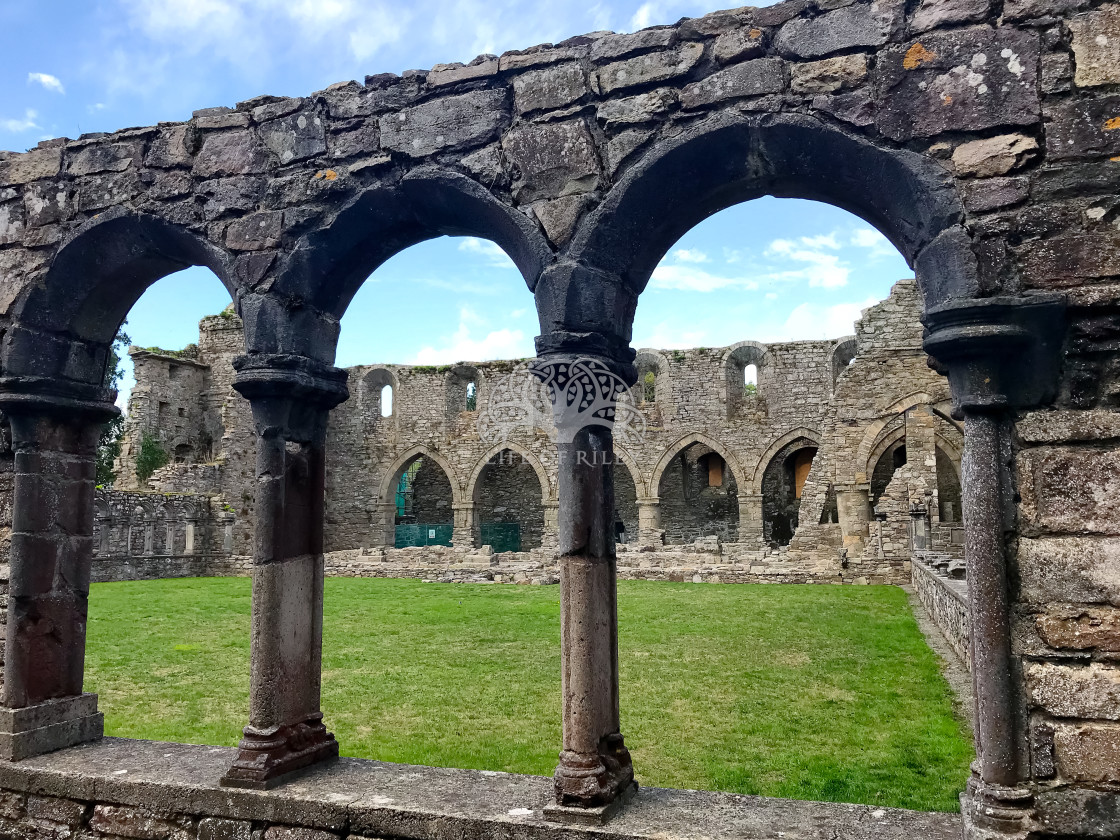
750 389
472 397
808 692
188 352
676 355
649 387
152 456
109 443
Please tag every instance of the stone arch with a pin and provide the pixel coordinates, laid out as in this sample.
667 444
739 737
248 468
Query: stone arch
841 355
735 361
63 325
889 415
627 460
456 384
547 489
650 361
373 383
393 474
686 441
777 446
327 266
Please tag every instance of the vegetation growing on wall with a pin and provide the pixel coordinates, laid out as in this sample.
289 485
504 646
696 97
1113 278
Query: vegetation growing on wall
152 456
109 444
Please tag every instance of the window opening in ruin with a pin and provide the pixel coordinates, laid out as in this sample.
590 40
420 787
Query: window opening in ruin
693 505
783 482
715 470
649 386
472 396
508 503
750 380
802 463
387 401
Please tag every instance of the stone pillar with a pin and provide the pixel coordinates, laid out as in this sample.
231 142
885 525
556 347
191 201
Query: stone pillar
1001 355
290 397
853 510
595 773
385 524
54 438
462 535
750 520
188 537
549 538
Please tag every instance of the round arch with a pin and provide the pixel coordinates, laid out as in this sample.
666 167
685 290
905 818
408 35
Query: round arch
326 267
547 490
400 463
686 441
890 415
777 446
64 324
627 460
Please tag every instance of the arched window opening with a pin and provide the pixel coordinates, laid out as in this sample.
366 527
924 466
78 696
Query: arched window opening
472 395
508 504
649 386
423 512
783 483
698 497
387 401
892 459
649 367
462 389
843 355
750 380
745 368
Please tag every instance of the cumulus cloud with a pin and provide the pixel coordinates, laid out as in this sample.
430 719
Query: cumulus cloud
693 279
876 244
472 343
17 125
665 336
814 321
691 255
48 81
494 256
821 269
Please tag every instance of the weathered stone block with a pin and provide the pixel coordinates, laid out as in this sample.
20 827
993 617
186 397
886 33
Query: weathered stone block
283 832
1067 261
1049 426
276 109
31 166
450 74
222 118
1023 9
1074 812
1096 47
137 823
934 13
993 193
12 222
621 46
230 153
553 159
539 56
1056 73
103 157
560 216
1092 691
362 140
454 122
738 45
550 87
214 828
11 805
642 108
170 185
96 192
1083 128
1088 753
231 195
647 69
1087 629
993 155
964 80
173 147
1071 569
621 147
855 107
828 75
1071 490
859 25
751 78
56 810
295 137
256 232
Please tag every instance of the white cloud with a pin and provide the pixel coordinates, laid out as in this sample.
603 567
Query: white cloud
17 125
691 278
664 336
691 255
821 269
869 238
463 346
494 256
48 81
814 321
645 16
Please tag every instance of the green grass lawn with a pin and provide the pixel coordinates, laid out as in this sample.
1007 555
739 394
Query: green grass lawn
810 692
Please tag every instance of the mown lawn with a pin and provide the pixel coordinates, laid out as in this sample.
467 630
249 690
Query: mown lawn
810 692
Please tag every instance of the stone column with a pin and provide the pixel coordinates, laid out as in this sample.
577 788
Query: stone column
595 773
54 438
290 397
1001 354
550 539
750 520
853 510
385 524
462 536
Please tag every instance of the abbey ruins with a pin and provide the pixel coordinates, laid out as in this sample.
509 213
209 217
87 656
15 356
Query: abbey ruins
981 138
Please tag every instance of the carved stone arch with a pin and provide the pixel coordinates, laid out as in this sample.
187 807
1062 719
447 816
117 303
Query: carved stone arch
652 361
736 359
627 460
456 382
892 433
327 266
674 450
777 446
841 355
547 489
392 475
871 435
373 383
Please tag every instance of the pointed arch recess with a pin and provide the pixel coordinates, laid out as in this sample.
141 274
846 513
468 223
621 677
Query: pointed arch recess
393 473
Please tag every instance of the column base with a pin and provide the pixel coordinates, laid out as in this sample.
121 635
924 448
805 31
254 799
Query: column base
49 726
994 812
595 781
269 757
596 815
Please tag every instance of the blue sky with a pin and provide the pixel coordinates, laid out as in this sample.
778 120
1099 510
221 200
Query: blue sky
768 270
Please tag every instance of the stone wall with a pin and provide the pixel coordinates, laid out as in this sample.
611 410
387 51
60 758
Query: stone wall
946 601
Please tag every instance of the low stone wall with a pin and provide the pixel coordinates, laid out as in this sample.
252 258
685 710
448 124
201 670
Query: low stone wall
108 569
946 601
145 790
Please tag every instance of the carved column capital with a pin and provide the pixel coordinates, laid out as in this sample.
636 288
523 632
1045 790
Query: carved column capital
74 401
999 353
290 394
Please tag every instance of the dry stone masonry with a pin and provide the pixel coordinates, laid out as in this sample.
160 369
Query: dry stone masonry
980 138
